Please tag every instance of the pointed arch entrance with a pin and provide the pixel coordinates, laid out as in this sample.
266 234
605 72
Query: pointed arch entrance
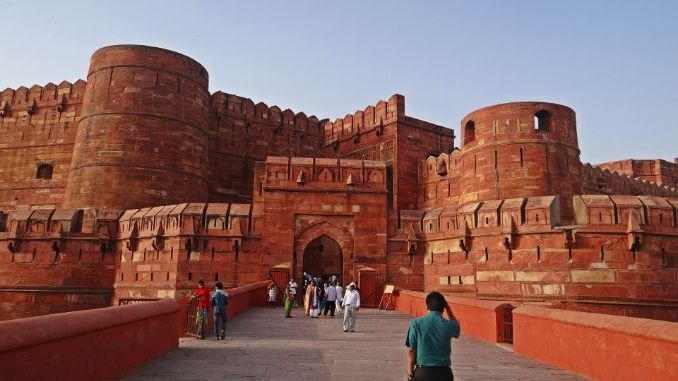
323 257
335 257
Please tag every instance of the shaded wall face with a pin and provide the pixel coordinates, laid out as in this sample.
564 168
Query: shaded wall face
142 131
384 133
657 171
35 280
37 127
521 150
290 215
323 257
241 133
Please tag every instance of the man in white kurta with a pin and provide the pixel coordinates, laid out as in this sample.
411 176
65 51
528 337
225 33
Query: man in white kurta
351 304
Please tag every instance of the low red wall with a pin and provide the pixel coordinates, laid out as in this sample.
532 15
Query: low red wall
242 298
603 347
239 299
101 344
479 318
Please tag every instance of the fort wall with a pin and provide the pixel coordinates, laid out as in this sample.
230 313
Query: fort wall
138 182
143 123
241 133
383 132
621 254
660 172
37 130
600 180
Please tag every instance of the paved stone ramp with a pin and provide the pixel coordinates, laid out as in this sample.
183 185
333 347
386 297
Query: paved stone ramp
262 345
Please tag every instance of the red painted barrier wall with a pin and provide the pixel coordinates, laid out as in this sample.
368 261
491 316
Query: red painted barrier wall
251 295
603 347
478 318
101 344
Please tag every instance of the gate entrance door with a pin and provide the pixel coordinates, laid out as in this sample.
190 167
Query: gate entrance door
368 288
280 276
323 258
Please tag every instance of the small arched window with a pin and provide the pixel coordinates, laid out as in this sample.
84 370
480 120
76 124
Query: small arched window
469 132
3 222
542 120
44 172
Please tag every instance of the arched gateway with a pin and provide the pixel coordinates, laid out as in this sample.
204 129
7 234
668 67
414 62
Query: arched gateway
323 257
324 249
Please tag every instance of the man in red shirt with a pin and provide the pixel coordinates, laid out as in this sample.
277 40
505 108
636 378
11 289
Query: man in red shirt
203 296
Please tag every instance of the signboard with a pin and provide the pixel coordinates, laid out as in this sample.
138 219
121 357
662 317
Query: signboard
389 289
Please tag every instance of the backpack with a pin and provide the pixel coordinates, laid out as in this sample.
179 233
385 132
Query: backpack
219 301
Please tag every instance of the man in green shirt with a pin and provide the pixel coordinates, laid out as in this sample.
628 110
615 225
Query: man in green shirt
429 342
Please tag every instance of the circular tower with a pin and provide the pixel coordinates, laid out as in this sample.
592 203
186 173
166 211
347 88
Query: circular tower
141 139
521 149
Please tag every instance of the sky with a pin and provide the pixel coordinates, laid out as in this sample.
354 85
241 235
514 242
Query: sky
614 62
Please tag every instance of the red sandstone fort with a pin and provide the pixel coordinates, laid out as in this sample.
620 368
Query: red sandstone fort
138 182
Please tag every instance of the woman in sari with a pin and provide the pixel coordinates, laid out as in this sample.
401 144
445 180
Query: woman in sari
314 300
289 302
307 297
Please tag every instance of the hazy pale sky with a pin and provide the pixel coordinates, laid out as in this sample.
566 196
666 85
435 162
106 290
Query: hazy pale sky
614 62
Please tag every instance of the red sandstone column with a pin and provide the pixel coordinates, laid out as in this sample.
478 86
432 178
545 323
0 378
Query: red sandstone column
521 149
142 138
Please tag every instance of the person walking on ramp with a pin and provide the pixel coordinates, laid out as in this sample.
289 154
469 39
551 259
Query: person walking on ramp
203 296
219 301
351 304
331 295
289 302
429 340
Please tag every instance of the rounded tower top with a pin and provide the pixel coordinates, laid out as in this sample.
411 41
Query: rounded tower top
542 121
142 136
148 57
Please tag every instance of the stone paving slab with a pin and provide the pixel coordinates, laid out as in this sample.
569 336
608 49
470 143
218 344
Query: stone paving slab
262 345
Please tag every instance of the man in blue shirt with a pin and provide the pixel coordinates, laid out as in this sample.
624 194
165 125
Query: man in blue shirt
429 342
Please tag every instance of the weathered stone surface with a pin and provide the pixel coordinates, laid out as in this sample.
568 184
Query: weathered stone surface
139 180
261 345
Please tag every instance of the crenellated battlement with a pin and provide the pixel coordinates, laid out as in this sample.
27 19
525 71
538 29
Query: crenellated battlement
28 100
364 121
598 180
280 120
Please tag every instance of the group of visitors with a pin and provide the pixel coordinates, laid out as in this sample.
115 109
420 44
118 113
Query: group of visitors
321 298
219 301
428 338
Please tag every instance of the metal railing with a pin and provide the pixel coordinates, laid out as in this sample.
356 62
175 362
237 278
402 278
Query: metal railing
193 328
507 328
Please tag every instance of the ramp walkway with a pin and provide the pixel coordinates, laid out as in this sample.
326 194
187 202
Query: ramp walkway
262 345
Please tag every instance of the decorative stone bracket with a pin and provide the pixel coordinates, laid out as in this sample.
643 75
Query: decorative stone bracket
61 106
634 232
509 233
465 240
4 109
412 243
31 108
380 128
